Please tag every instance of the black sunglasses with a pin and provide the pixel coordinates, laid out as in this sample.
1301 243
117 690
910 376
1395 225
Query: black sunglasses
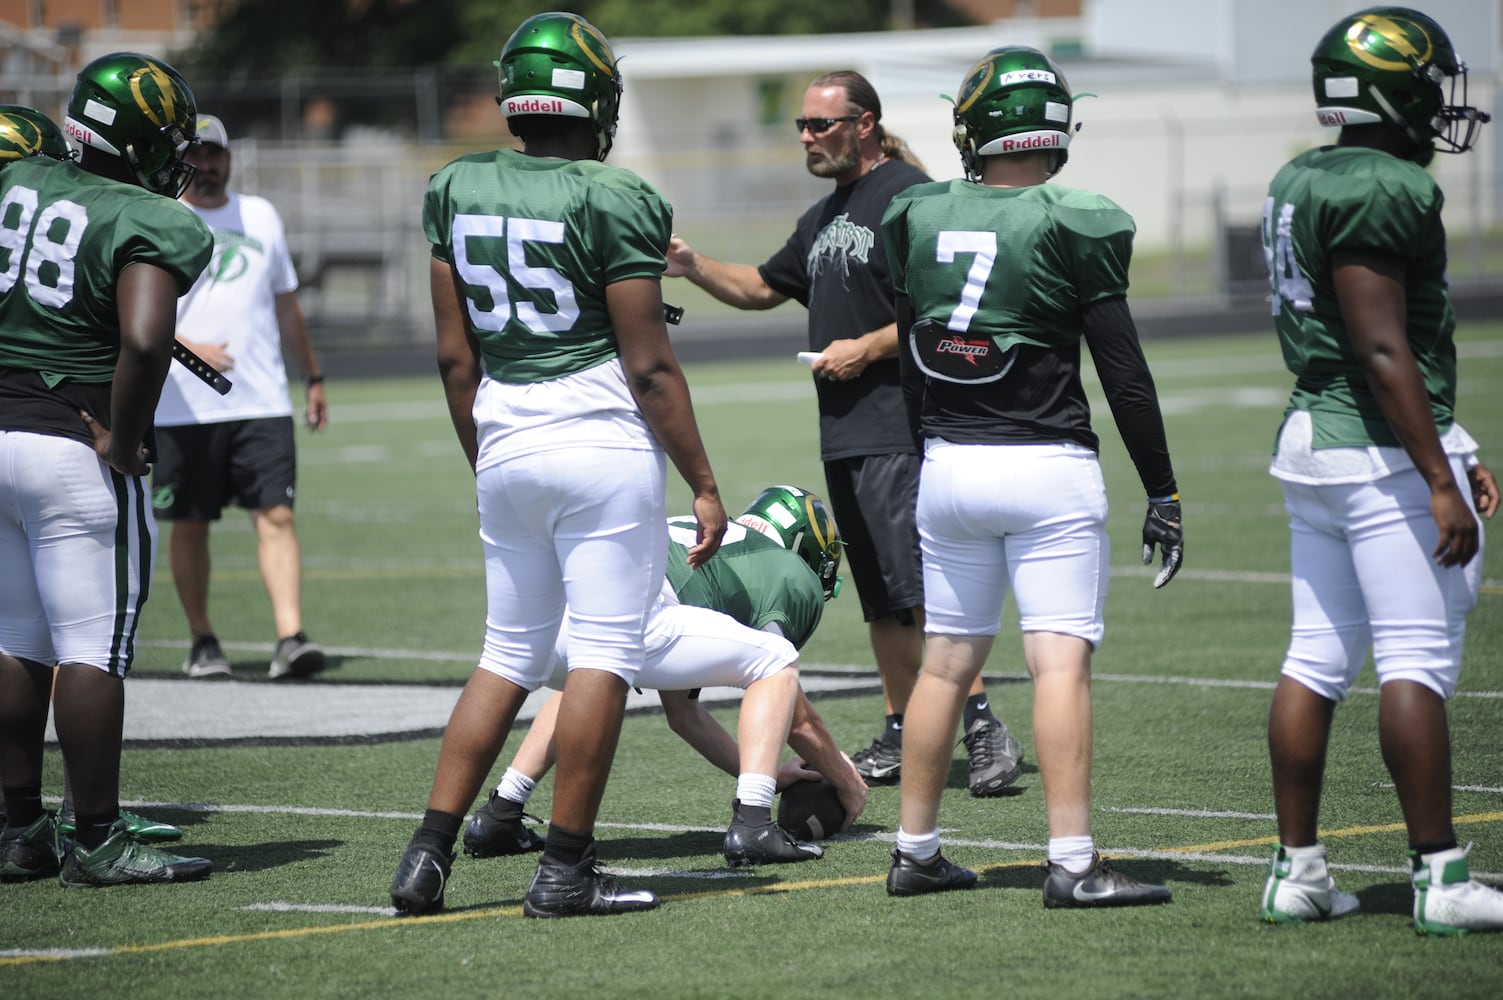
819 126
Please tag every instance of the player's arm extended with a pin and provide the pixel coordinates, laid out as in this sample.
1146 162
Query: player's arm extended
458 356
739 285
810 738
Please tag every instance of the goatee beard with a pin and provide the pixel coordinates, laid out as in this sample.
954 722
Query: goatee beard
834 164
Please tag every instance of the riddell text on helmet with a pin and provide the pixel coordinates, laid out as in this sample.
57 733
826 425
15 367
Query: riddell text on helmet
1051 141
537 105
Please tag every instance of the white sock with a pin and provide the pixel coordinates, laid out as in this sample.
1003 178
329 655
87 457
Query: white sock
1307 864
918 846
756 789
516 786
1073 854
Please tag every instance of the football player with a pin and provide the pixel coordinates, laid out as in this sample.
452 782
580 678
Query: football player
999 278
567 401
99 252
1381 483
737 621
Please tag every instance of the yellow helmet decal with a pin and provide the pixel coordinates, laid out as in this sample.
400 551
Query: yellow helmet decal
974 82
1399 33
166 94
602 59
815 528
25 140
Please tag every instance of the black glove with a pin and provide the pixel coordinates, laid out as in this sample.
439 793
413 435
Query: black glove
1161 527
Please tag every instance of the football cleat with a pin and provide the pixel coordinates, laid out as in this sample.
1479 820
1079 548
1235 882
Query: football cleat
908 877
496 830
879 764
1098 885
765 844
581 890
1291 897
137 826
1448 902
122 860
296 656
206 659
418 886
30 853
996 757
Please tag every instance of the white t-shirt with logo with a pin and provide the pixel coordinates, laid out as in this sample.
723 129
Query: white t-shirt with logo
234 302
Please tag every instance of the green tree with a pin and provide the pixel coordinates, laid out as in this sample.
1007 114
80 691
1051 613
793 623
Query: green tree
269 39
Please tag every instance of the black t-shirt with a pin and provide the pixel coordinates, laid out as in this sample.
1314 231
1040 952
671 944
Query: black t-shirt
835 264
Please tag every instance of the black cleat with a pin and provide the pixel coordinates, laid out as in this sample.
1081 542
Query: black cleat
31 853
581 890
765 844
496 830
419 884
879 764
1099 885
996 757
908 877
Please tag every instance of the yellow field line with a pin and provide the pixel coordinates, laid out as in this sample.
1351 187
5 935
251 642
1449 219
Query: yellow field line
766 890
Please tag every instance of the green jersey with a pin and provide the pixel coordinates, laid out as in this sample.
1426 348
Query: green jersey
533 243
1350 201
1054 251
65 236
751 578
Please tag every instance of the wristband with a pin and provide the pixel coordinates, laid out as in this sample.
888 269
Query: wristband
311 380
1171 498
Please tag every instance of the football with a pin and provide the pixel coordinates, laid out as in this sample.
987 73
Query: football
811 810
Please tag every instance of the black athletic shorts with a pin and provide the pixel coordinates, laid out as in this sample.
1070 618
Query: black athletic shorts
874 499
203 468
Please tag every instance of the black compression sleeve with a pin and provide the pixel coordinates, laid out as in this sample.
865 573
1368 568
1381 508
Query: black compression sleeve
1113 339
912 378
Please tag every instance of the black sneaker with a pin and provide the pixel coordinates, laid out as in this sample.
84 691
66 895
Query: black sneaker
581 890
496 830
765 844
1098 885
31 853
879 764
419 884
206 659
908 877
296 656
996 757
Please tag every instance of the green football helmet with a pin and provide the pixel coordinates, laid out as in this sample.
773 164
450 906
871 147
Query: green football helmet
1388 65
560 64
801 523
27 132
1014 100
138 109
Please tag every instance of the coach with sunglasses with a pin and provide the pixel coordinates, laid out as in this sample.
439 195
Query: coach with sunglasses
835 265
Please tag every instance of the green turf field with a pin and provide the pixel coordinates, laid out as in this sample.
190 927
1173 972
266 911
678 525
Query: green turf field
305 837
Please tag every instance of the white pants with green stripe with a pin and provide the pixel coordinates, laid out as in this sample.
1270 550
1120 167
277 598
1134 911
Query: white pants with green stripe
77 547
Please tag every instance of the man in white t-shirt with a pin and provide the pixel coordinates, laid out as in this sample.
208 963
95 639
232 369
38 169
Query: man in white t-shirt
238 449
